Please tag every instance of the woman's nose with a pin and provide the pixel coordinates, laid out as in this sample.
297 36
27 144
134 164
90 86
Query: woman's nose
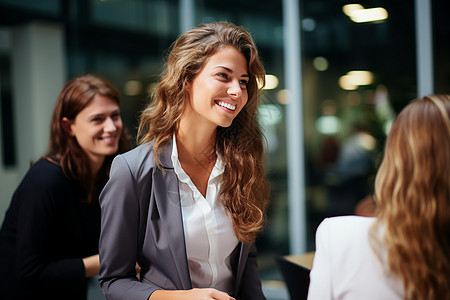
235 89
110 125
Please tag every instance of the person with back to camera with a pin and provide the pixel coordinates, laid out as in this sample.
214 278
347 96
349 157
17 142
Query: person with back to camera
404 251
187 204
49 238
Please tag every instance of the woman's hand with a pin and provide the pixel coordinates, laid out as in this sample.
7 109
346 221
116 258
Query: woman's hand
137 267
91 265
194 294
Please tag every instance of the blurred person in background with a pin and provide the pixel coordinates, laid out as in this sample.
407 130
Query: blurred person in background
404 251
188 203
49 237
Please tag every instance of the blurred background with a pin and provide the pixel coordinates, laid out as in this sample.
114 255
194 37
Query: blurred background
338 72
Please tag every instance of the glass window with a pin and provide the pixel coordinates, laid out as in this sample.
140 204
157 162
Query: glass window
7 142
441 46
51 7
133 77
357 74
263 19
156 16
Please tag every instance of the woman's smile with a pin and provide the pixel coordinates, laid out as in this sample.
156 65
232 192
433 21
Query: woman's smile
227 106
218 92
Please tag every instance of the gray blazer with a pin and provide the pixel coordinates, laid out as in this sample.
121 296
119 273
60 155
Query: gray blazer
142 222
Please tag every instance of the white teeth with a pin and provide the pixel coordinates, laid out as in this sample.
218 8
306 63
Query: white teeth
227 105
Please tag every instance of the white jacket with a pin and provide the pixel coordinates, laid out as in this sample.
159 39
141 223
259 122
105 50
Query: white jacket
346 267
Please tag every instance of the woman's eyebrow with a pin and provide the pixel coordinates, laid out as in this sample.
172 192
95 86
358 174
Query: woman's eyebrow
100 114
231 71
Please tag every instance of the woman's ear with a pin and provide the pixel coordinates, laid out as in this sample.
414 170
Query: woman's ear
66 124
187 89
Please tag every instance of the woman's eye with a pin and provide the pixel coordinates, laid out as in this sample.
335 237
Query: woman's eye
115 116
223 75
243 82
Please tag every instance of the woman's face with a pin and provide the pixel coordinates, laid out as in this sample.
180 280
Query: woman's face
219 91
97 128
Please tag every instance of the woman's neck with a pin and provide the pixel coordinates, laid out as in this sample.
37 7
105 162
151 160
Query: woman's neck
196 145
96 164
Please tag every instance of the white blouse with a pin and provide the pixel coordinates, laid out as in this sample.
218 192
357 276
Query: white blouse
208 229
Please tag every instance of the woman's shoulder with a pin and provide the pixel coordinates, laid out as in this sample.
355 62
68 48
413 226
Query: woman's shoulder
348 221
346 241
46 171
44 180
137 155
142 150
345 230
144 155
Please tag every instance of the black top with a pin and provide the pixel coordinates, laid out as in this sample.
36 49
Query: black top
46 232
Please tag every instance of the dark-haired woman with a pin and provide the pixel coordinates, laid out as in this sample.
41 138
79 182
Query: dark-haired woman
49 237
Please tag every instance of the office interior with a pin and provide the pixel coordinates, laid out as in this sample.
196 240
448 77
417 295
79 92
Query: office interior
338 72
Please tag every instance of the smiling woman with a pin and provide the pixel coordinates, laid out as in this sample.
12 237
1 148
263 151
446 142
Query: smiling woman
97 129
218 93
49 238
193 195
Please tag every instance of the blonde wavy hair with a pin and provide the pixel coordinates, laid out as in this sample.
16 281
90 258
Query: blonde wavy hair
412 192
244 190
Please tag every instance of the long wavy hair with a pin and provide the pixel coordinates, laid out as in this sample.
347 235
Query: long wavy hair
244 190
412 192
76 94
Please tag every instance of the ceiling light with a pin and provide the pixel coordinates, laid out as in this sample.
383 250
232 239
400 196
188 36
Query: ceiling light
133 87
345 82
271 82
361 77
359 14
283 96
369 15
320 63
353 79
349 9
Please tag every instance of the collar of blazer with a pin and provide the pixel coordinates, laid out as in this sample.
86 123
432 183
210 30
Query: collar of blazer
165 153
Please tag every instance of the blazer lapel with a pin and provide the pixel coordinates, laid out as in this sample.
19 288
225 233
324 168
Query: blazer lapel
243 254
168 200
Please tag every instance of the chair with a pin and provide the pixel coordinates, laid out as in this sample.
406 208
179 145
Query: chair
295 276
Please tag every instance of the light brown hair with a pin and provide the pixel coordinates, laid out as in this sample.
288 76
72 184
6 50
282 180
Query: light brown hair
244 190
412 192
